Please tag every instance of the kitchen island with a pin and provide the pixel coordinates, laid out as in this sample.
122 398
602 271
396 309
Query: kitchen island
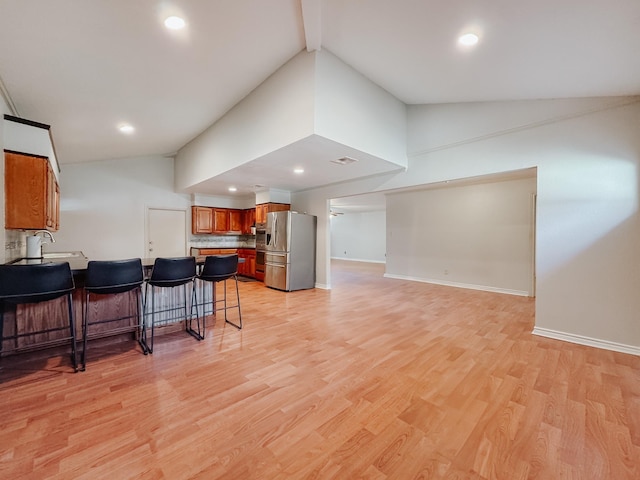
31 319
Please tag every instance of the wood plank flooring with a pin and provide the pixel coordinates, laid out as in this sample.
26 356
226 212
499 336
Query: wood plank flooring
377 378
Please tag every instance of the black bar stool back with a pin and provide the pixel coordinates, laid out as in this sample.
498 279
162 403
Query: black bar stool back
220 268
170 273
22 284
112 278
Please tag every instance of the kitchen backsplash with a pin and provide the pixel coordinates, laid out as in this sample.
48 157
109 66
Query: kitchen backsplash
223 241
15 244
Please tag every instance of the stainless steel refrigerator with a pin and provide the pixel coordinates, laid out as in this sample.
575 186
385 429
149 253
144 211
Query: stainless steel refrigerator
290 253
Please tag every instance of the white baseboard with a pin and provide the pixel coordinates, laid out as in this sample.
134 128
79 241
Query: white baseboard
471 286
588 341
323 286
358 260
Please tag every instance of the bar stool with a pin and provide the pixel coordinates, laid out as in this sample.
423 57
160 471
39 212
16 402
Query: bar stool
171 273
38 283
220 268
112 278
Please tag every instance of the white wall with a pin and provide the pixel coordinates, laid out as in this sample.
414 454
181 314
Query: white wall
29 139
103 205
272 196
588 228
277 113
236 201
359 236
474 236
314 94
352 110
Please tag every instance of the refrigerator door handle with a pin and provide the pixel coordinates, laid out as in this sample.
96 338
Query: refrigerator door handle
275 230
279 265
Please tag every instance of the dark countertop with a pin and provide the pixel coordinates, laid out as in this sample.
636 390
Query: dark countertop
78 262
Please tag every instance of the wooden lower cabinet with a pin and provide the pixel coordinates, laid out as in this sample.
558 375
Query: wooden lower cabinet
218 251
248 268
33 319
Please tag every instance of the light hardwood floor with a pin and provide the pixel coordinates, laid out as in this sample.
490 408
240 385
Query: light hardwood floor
377 378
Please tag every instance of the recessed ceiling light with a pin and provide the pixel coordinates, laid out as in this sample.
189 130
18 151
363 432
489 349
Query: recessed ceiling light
233 189
468 39
126 128
174 23
298 170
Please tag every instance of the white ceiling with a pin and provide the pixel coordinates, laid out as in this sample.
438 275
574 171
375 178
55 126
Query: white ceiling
84 67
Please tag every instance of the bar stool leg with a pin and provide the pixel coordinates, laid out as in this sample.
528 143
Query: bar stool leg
194 302
153 317
238 326
224 288
72 326
2 306
141 338
148 299
199 335
1 327
85 326
143 333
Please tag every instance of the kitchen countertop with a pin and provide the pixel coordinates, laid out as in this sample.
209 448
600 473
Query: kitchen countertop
78 262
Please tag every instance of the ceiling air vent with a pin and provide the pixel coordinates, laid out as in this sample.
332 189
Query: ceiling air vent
344 160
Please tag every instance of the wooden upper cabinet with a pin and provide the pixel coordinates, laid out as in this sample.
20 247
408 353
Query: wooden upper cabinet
216 220
264 208
220 220
32 194
53 200
278 207
235 220
248 220
261 213
201 220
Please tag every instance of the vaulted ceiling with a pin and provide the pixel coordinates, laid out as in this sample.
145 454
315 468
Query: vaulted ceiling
86 67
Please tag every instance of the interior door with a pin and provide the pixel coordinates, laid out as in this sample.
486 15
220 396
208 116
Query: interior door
166 233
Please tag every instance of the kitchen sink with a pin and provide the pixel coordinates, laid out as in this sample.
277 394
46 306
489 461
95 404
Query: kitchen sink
61 254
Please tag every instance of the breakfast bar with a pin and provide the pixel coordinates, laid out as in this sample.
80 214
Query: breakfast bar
41 325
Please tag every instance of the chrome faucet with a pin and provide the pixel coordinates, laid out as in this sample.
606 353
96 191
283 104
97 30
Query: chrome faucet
34 243
53 240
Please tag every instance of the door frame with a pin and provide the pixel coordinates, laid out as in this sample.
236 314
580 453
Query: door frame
148 208
533 226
